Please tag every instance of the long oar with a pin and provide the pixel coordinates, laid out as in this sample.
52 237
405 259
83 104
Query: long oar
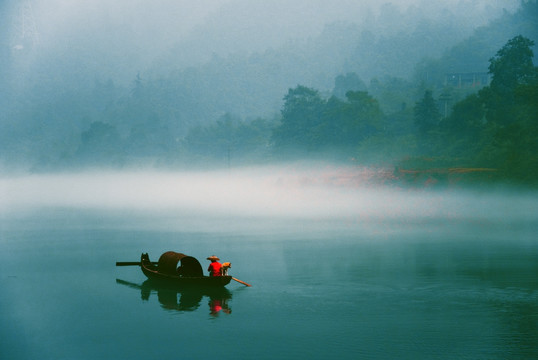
131 263
242 282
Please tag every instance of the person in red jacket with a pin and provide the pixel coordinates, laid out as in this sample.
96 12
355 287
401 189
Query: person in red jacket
214 267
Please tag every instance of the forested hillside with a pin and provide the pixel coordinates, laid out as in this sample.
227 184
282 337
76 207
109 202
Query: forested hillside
433 92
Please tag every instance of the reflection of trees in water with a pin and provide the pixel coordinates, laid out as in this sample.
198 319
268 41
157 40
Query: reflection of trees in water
187 299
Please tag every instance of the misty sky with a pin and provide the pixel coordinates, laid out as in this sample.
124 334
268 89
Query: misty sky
150 23
136 33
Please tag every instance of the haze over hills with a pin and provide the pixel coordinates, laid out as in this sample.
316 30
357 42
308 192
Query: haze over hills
246 27
120 39
154 71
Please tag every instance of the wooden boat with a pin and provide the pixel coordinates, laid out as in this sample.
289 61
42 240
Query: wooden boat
189 273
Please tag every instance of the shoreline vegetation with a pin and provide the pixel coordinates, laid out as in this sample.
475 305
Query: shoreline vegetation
446 176
434 178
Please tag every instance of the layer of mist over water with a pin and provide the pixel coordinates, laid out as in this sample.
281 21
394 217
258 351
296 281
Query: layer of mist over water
341 266
323 193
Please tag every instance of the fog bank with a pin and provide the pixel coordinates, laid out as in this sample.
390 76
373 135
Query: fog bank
271 192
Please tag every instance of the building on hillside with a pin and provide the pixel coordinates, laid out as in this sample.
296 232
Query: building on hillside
464 80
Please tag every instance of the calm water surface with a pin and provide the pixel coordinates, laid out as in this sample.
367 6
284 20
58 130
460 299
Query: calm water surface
431 287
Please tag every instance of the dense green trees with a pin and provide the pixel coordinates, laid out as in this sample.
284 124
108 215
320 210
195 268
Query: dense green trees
302 116
512 66
497 127
463 131
311 124
427 115
510 103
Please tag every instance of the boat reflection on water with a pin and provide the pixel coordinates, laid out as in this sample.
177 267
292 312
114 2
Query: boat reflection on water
184 299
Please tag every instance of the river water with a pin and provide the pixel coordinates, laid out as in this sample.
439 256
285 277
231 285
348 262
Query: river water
356 273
